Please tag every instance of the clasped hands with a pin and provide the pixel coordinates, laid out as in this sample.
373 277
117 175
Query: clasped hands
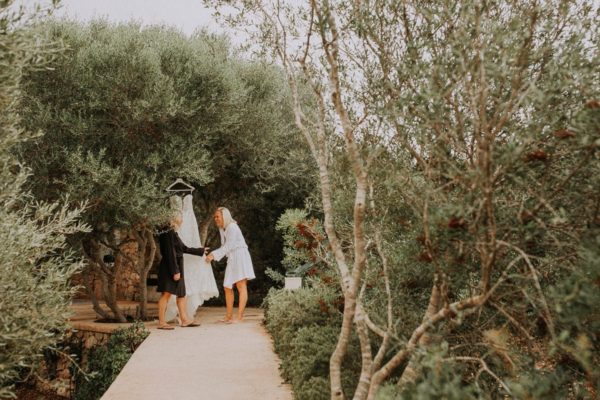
209 258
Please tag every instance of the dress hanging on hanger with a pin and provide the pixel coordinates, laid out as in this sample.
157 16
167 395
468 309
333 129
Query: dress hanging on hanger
200 284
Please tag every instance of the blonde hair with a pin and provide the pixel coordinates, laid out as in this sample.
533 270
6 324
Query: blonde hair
227 218
176 218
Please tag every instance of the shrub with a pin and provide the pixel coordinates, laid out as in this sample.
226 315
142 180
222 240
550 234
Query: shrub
35 266
106 361
316 388
440 379
305 324
288 311
312 346
300 237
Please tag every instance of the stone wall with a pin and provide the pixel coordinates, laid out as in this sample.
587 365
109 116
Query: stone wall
127 278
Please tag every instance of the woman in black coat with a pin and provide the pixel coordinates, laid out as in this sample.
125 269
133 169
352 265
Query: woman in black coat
170 273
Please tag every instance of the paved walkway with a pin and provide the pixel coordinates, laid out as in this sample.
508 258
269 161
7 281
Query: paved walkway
214 361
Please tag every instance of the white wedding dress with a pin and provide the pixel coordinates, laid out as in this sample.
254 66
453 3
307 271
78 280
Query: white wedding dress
200 284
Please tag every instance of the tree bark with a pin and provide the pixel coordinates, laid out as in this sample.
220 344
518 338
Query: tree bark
146 251
140 267
143 292
111 297
364 381
329 40
413 369
108 278
445 313
88 283
204 225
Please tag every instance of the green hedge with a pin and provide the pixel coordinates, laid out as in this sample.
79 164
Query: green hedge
305 324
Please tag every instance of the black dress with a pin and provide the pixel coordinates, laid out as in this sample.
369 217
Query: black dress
171 250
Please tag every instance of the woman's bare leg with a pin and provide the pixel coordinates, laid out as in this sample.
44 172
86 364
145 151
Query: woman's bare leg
229 303
182 308
162 308
242 288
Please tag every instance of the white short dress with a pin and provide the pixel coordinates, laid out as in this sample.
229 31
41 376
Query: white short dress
239 263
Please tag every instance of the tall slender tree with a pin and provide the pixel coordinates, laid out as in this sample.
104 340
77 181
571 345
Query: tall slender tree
489 112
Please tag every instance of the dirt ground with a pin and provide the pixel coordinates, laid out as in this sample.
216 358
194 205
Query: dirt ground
25 392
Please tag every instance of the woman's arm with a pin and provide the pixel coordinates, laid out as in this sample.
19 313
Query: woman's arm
197 251
233 234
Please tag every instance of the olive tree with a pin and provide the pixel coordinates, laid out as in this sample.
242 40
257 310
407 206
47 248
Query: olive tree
36 265
130 109
127 110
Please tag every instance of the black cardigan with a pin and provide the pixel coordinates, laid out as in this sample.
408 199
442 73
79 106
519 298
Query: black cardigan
172 249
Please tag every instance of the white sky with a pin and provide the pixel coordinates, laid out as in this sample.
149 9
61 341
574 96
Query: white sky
187 15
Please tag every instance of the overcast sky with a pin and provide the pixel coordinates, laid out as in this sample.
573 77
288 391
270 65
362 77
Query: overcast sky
187 15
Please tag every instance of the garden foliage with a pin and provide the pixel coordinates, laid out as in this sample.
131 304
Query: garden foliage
105 361
129 108
458 150
304 325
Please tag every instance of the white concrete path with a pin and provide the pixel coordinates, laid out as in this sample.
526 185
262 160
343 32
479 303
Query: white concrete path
214 361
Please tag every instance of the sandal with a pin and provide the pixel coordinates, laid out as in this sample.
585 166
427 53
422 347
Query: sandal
165 327
190 325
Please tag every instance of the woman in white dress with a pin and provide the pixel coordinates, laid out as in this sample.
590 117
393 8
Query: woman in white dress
200 284
239 268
